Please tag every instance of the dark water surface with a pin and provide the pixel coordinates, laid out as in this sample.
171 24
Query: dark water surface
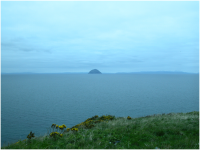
34 102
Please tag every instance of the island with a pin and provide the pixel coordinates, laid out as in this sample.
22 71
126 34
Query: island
94 71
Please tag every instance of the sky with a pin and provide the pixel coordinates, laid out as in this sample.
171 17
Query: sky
111 36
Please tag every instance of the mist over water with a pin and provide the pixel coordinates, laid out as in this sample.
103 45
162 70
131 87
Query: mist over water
34 102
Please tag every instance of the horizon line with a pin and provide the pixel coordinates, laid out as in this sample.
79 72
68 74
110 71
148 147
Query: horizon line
103 73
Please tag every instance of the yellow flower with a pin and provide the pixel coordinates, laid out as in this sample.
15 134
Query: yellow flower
61 135
56 126
76 129
53 125
53 133
64 126
61 127
129 117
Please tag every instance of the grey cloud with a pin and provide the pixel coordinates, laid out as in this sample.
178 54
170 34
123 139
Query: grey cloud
22 44
7 45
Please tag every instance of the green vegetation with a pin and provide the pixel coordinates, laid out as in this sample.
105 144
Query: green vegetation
166 131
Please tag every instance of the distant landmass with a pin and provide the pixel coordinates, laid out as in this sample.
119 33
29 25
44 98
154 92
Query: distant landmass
94 71
156 72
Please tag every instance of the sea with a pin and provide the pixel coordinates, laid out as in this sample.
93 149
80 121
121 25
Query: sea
33 102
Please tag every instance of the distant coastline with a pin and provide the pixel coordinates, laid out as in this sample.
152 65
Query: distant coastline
142 72
157 72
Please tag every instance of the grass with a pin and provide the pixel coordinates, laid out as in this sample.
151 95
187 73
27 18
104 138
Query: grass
166 131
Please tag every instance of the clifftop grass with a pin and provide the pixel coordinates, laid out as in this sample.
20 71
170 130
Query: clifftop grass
166 131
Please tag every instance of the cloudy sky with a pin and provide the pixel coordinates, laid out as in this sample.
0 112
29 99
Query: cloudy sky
115 36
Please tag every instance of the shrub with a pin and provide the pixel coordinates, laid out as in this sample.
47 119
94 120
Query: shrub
56 134
129 118
75 129
30 135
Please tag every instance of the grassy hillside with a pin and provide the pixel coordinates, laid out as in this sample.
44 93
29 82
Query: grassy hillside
166 131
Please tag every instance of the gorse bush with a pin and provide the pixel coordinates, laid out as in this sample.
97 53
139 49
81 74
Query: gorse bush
75 129
56 134
129 118
90 122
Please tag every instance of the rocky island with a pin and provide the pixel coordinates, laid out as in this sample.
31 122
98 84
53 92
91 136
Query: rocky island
94 71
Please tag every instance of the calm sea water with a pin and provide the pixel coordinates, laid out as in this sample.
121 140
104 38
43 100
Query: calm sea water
35 102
